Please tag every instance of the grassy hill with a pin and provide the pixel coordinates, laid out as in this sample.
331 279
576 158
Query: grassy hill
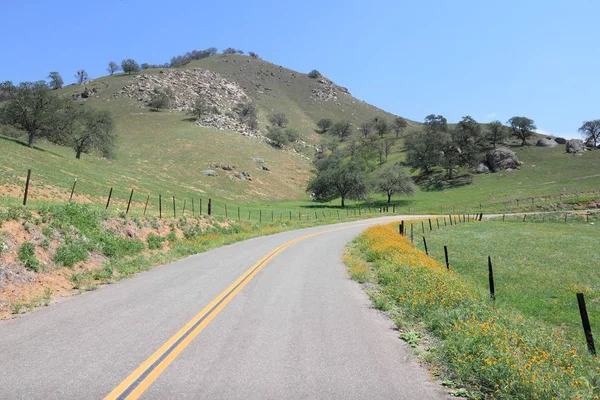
165 152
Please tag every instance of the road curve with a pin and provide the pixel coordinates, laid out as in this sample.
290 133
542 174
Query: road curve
297 328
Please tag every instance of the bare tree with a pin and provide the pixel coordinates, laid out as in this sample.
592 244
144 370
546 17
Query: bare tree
81 76
113 67
366 128
388 145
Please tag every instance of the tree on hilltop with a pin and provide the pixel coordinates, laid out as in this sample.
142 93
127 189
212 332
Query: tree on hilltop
496 132
113 67
56 81
81 76
314 74
522 127
591 131
130 66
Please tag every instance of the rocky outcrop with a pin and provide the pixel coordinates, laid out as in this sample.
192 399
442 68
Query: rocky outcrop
575 146
327 90
501 159
546 143
560 140
220 95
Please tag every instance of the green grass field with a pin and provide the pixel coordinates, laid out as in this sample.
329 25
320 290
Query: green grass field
538 267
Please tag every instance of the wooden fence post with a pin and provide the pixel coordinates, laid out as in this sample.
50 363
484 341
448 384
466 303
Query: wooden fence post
423 227
27 187
174 213
491 277
193 211
411 233
160 205
73 189
430 228
200 207
401 228
585 322
226 215
129 202
184 204
146 206
209 206
437 220
107 201
238 213
425 244
446 256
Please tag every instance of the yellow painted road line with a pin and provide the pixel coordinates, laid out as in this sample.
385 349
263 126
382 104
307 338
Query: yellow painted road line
143 376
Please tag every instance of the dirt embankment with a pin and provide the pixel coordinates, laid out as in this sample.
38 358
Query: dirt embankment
26 285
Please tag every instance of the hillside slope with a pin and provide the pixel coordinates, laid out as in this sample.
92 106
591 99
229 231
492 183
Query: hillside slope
166 151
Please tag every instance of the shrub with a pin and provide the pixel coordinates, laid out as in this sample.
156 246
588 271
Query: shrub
161 99
247 114
172 237
314 74
155 242
282 137
115 246
253 55
70 254
26 255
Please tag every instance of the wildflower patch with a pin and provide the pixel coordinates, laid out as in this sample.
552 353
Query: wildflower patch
489 350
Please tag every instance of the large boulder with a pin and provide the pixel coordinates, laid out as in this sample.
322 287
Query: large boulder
501 159
575 146
546 143
560 140
209 172
482 169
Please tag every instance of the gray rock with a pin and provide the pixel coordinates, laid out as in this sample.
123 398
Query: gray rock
560 140
575 146
231 177
482 169
501 159
209 172
265 168
258 160
546 143
241 176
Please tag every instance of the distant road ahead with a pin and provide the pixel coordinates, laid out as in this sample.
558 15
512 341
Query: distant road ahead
274 317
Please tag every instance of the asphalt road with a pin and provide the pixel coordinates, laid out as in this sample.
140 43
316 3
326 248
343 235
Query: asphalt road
297 329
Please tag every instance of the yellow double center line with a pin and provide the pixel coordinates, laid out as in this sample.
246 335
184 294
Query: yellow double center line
140 380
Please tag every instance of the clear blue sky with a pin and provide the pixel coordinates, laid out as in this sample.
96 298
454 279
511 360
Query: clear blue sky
487 59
